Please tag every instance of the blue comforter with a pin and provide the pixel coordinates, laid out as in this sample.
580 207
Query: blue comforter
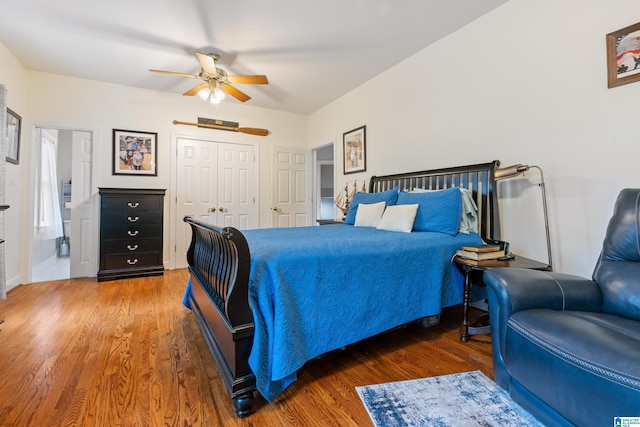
317 289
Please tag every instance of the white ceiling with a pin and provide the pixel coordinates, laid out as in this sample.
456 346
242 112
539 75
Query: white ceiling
313 52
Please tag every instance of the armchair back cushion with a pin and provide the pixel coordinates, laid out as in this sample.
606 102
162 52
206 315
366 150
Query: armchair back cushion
618 269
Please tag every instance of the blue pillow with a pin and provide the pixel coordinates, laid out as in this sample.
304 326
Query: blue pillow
437 211
389 197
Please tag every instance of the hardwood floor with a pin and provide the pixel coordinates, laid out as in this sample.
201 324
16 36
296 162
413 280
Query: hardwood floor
127 353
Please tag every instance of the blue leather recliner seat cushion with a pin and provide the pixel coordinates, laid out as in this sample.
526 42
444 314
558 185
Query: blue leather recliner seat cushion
547 347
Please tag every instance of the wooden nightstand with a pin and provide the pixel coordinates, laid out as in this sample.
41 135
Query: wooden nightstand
473 275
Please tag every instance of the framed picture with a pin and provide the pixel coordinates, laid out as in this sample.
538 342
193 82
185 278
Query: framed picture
135 152
355 152
623 56
14 123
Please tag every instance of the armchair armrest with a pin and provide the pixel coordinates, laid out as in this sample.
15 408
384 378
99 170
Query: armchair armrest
516 289
519 289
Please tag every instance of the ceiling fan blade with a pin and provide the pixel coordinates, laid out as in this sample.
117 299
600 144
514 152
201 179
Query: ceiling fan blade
249 80
195 76
238 94
208 63
196 89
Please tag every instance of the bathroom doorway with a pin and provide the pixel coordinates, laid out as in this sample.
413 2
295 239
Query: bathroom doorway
324 182
61 204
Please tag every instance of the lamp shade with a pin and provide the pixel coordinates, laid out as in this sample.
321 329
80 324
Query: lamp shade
510 171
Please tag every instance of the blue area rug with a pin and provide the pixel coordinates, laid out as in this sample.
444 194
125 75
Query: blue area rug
467 399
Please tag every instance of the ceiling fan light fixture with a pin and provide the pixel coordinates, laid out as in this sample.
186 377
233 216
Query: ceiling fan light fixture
204 93
217 94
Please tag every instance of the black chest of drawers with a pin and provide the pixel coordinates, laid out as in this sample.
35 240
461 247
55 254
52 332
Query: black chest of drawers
131 222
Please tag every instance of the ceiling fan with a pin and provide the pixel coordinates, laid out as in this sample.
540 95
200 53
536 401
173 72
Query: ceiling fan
216 81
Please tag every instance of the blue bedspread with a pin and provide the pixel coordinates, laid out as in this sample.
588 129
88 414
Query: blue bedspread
317 289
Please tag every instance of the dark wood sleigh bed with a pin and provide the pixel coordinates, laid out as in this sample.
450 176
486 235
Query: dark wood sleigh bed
220 265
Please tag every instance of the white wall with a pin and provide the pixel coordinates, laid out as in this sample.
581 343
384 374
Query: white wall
526 84
58 101
13 76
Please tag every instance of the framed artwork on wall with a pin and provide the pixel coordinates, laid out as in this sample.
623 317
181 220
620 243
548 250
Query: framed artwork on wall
135 152
14 123
623 56
354 149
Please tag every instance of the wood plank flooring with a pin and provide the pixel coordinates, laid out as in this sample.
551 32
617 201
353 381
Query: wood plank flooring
127 353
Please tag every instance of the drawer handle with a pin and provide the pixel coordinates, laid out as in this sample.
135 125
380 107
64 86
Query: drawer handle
132 248
133 205
132 233
135 261
133 219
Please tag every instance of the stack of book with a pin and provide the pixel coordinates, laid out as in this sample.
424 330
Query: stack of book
480 252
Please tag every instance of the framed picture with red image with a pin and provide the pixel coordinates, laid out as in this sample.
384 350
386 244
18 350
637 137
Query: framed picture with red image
623 56
135 153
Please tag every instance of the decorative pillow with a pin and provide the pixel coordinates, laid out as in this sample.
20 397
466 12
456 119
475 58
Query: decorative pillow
439 211
369 215
389 197
398 218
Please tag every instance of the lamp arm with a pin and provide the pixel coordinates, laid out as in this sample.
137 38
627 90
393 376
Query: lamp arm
546 215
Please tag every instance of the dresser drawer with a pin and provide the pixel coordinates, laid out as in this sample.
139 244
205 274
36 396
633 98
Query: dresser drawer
131 246
118 232
130 217
122 261
133 203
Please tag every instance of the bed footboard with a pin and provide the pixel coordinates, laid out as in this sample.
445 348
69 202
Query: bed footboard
219 264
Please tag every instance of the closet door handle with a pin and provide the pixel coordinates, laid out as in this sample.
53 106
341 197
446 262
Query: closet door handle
133 205
132 233
133 219
221 209
132 248
135 261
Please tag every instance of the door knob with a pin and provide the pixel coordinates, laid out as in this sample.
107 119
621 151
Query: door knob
212 209
221 209
276 209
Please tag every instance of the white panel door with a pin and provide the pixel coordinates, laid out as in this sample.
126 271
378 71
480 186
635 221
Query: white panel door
196 189
291 199
214 183
81 241
236 197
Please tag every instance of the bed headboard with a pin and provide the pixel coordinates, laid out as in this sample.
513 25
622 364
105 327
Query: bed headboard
478 179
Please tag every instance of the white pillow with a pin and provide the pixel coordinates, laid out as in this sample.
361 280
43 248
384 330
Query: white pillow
369 215
398 218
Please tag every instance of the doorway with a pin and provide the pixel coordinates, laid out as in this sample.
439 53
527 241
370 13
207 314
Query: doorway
324 186
62 212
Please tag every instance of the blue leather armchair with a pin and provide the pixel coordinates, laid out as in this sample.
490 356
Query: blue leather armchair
568 348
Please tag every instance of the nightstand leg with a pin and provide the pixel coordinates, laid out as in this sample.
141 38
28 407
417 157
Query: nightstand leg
466 301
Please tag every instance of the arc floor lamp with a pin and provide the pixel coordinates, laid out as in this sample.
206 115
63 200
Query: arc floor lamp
520 169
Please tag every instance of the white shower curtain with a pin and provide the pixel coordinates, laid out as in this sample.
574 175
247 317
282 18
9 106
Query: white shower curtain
48 221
